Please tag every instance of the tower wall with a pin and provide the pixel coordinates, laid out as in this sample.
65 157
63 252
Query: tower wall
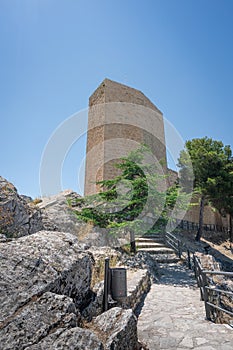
120 119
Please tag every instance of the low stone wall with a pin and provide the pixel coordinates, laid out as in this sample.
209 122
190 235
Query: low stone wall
208 262
139 283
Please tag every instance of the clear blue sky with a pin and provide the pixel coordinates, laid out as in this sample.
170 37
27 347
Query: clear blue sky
54 53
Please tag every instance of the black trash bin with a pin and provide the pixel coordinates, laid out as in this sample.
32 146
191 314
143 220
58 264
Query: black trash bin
118 283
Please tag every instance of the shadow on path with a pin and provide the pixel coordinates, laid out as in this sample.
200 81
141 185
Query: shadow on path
176 274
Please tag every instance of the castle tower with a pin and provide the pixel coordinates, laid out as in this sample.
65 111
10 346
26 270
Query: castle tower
120 119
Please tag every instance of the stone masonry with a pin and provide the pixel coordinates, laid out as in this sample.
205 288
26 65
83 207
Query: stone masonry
120 119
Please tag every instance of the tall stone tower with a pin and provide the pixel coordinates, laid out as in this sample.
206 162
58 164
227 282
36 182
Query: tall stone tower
120 119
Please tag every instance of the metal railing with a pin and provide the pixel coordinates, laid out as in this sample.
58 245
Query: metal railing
189 225
207 291
179 247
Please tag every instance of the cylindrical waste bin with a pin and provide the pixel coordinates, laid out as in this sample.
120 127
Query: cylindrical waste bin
118 283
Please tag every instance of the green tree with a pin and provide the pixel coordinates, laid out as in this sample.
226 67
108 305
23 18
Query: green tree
211 162
139 192
223 194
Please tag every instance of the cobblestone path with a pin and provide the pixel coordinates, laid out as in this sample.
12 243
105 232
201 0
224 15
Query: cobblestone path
173 317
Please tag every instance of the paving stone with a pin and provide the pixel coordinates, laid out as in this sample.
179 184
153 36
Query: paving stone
173 316
201 341
187 342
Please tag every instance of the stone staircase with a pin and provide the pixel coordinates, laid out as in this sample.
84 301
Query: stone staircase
154 245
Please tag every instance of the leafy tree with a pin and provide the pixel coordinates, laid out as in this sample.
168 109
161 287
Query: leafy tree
138 192
223 194
211 162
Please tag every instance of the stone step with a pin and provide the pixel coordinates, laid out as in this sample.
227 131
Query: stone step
159 250
147 239
152 236
152 244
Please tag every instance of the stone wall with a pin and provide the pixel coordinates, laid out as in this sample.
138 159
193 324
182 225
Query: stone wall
225 301
120 120
211 215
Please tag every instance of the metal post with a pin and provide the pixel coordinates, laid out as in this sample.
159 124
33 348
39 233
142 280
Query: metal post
179 249
195 266
189 260
106 285
206 297
132 242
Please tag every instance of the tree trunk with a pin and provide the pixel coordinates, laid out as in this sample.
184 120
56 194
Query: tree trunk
201 215
231 228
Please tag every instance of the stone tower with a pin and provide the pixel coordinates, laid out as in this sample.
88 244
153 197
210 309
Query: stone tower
120 119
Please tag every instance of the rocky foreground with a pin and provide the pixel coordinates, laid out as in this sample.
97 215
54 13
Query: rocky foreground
45 291
51 281
51 288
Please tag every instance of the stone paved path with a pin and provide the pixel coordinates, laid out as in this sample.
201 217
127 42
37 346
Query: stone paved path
173 317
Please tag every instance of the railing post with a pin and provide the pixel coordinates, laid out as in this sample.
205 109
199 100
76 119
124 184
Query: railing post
132 242
206 297
179 250
106 284
194 266
198 275
189 260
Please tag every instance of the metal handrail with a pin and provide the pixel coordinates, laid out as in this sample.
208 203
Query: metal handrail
200 274
219 290
203 284
186 224
173 242
179 247
224 273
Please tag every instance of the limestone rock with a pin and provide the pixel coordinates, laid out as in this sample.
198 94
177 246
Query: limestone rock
17 217
117 328
208 262
142 260
20 216
72 339
58 213
3 238
44 261
95 307
37 319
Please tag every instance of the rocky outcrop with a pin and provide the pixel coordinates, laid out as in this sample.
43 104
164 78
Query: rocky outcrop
208 262
51 288
117 328
20 216
17 216
142 260
47 296
72 339
45 261
58 213
36 319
